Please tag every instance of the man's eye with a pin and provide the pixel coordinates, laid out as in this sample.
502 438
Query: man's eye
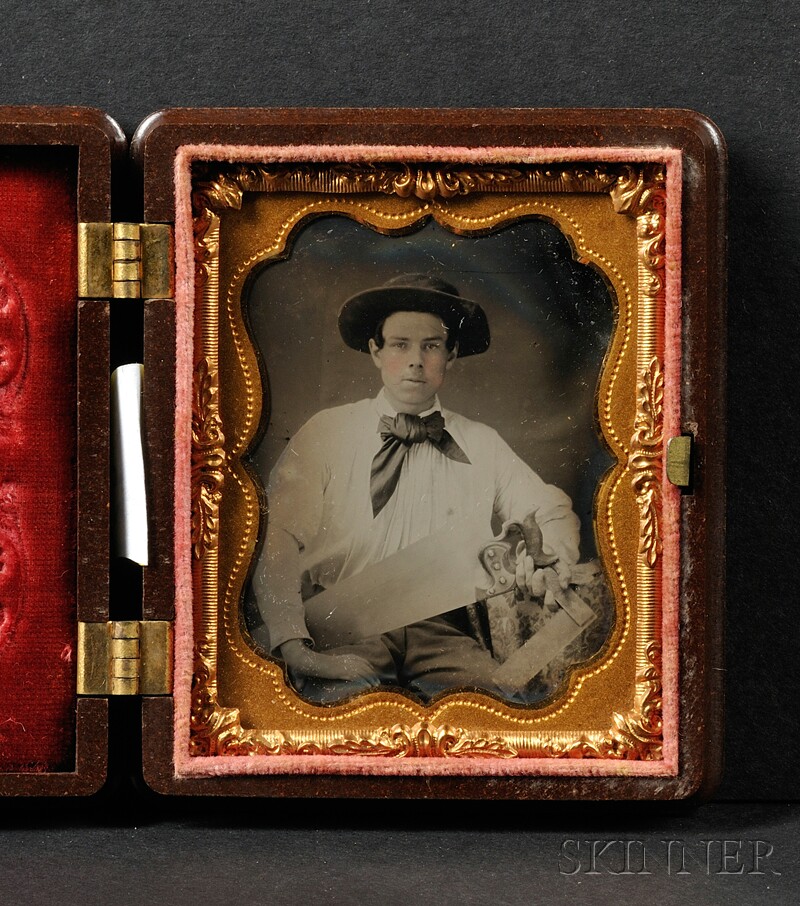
434 346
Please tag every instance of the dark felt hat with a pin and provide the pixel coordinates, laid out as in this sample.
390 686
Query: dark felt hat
360 315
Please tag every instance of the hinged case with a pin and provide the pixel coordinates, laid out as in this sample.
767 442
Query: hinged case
593 244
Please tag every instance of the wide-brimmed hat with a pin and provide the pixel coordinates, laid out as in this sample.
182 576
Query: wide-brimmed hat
360 315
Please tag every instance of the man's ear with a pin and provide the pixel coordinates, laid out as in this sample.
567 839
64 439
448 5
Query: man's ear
452 356
375 352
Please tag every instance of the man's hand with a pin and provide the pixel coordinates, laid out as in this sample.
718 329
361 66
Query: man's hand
541 582
307 663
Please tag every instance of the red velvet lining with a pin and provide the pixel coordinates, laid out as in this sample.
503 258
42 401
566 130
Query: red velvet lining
38 312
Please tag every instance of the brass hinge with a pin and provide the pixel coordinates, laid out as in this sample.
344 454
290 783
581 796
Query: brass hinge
125 261
125 657
679 460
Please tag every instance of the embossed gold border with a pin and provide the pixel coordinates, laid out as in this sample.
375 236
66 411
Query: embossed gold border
635 191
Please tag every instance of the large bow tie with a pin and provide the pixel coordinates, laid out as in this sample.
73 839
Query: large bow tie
398 434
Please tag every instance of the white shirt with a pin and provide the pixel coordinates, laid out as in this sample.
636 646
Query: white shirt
319 493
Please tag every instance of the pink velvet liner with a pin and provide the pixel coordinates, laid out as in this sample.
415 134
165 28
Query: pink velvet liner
187 765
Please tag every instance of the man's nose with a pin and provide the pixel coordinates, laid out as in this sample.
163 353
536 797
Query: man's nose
415 357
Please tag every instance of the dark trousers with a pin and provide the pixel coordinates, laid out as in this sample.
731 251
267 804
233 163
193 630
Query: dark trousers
426 658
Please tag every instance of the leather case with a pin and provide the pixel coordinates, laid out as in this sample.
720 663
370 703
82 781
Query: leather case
597 233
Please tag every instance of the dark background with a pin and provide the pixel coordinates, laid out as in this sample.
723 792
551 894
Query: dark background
736 62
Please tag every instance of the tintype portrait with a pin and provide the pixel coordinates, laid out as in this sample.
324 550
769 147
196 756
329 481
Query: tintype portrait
428 460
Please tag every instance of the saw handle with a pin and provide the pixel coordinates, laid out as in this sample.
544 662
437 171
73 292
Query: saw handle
531 534
499 557
499 561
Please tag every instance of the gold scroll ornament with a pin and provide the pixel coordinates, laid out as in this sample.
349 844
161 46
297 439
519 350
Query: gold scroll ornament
636 192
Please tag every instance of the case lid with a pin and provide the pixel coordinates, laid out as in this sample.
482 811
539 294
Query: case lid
55 170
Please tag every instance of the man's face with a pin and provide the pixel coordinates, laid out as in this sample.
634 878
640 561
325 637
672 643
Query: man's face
413 360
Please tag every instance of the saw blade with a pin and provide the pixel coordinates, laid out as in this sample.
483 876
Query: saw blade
428 578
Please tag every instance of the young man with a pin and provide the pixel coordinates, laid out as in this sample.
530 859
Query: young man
361 482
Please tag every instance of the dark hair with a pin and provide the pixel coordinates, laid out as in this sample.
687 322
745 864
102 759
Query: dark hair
450 340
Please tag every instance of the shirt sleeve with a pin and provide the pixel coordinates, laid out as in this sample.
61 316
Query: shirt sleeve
297 483
520 492
294 511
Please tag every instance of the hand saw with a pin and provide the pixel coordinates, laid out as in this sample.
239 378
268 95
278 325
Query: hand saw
438 574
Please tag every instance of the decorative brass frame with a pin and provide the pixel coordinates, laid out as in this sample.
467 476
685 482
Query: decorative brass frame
636 192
